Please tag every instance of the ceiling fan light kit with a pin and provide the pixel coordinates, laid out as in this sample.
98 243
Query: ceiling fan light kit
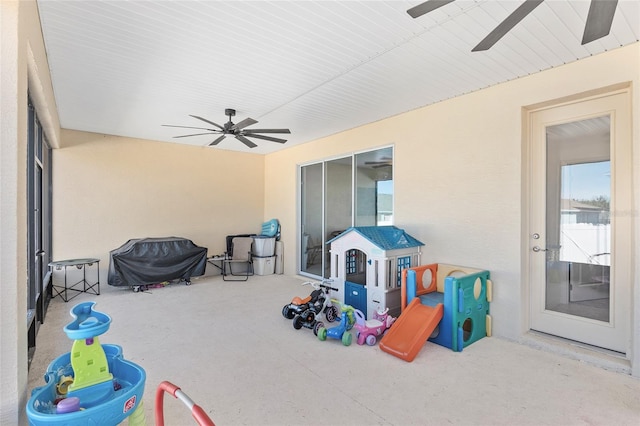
237 130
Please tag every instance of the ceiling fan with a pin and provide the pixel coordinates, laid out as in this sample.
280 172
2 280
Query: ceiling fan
238 130
384 162
599 19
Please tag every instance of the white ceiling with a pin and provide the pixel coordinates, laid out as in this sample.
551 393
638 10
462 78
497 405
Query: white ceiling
316 67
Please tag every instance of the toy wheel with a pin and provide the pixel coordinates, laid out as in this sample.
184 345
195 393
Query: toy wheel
317 327
346 339
371 340
297 322
331 313
287 313
322 333
309 316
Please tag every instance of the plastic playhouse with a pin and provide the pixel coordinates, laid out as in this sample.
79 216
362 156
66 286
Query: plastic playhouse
446 304
92 384
365 265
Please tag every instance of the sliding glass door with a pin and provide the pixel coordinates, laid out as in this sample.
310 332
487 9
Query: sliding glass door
354 190
311 213
39 226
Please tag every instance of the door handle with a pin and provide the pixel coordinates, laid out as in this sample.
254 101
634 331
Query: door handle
537 249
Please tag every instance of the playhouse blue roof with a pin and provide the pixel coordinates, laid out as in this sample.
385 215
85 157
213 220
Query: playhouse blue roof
384 237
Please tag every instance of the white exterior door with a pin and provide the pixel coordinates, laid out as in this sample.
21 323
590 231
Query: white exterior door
580 225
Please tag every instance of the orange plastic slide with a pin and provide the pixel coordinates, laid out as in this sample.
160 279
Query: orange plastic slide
411 330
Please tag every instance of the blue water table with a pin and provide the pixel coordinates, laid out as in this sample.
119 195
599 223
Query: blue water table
92 384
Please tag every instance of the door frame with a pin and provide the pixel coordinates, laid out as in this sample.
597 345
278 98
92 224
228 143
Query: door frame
529 221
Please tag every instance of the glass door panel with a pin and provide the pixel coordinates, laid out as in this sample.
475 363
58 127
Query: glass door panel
374 188
578 220
338 209
311 215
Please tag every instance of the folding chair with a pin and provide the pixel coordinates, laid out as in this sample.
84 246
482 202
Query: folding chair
240 255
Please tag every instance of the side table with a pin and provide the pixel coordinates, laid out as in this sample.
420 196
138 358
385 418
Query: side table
218 262
82 286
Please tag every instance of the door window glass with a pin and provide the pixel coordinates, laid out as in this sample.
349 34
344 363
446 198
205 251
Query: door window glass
578 218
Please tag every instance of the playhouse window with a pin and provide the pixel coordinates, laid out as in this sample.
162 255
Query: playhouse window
403 263
390 272
351 259
377 277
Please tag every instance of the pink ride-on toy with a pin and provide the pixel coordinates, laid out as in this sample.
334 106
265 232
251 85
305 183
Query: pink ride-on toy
368 330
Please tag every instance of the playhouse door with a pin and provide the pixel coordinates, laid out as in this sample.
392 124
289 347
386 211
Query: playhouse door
355 292
579 249
356 296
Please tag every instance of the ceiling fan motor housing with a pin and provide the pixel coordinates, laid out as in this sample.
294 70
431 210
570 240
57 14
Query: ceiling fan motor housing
230 112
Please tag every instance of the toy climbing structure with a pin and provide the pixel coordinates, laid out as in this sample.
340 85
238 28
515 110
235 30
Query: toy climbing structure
446 304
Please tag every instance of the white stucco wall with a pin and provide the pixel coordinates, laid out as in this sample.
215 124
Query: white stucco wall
459 175
23 66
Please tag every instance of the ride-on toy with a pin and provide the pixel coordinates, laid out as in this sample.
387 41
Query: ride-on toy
368 330
341 331
304 312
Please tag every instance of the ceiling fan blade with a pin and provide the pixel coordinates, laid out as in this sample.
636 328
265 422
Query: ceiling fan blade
505 26
599 20
386 160
195 134
248 131
246 141
244 123
207 121
217 141
266 138
189 127
426 7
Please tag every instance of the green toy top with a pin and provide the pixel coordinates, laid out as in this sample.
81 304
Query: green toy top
88 359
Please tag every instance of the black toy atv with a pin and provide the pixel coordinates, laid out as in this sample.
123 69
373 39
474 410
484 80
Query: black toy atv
304 311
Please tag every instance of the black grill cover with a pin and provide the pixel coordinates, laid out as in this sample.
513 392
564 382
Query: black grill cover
153 260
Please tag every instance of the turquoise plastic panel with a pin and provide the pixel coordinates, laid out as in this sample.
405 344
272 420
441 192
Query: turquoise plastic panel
411 285
469 308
